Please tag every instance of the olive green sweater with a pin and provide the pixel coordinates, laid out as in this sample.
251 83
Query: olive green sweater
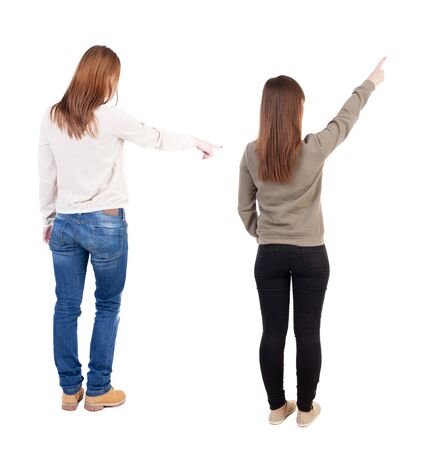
291 213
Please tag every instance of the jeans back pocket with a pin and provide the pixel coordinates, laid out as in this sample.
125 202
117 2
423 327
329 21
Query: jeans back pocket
108 239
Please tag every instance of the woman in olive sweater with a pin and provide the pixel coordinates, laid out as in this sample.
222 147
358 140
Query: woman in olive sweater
283 173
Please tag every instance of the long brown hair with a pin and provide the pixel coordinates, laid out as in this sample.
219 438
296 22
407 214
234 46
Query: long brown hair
93 84
280 132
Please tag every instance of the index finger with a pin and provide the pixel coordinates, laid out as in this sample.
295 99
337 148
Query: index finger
382 62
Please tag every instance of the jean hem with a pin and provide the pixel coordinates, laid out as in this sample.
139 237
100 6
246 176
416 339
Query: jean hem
71 391
97 392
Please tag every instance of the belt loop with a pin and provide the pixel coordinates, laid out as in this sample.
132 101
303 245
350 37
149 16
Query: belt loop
123 213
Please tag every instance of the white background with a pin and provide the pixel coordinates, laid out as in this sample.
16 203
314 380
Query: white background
187 346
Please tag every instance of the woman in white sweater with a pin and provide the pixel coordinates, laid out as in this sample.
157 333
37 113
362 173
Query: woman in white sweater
83 192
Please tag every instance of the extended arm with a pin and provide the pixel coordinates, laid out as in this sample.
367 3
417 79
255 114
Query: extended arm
129 128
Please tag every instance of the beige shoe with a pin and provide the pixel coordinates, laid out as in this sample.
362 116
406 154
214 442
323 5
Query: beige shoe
70 402
304 419
277 416
109 399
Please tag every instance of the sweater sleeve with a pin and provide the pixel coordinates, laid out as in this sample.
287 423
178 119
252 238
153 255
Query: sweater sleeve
340 126
247 198
131 129
47 174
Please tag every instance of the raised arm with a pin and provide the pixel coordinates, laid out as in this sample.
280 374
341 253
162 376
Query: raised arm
129 128
247 198
47 174
340 126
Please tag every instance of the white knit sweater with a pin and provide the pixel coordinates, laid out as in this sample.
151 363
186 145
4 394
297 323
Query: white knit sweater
88 174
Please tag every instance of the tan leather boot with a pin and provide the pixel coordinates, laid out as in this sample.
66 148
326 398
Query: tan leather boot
304 419
277 416
70 402
109 399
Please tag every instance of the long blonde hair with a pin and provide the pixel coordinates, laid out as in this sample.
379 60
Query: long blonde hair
93 84
279 138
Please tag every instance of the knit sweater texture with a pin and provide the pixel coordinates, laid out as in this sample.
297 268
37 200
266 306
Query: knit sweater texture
291 213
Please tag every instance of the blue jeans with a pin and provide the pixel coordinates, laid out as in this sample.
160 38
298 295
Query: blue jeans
73 238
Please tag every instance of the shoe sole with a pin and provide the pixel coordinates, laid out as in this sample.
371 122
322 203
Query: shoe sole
100 406
71 406
278 423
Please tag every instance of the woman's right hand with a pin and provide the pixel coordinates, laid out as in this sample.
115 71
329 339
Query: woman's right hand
378 74
206 147
47 233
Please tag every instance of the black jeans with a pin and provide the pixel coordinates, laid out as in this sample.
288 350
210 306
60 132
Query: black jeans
308 268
